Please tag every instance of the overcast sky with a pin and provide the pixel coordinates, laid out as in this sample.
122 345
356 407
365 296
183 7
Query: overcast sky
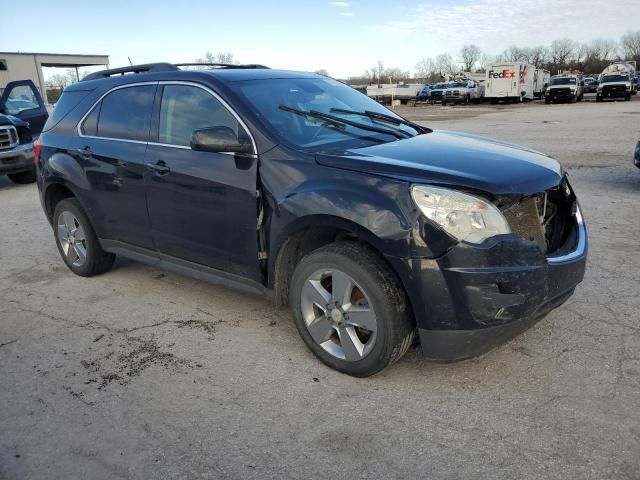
344 38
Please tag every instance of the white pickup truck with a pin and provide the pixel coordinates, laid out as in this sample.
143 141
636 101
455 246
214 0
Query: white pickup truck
464 91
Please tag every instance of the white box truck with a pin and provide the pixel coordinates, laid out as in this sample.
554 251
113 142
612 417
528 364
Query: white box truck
511 82
541 80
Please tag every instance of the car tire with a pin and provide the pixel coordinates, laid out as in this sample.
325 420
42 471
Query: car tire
547 101
23 177
598 98
627 98
444 104
386 328
77 241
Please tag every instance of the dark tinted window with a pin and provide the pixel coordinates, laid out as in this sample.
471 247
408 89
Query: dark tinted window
125 113
185 108
67 102
90 124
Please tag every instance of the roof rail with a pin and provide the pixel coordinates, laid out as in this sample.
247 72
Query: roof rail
221 65
146 68
161 67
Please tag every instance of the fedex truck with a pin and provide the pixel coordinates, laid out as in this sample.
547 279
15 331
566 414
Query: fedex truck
511 82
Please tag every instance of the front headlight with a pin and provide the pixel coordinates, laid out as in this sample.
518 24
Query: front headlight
465 217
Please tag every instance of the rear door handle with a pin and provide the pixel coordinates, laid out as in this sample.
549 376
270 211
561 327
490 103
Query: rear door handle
160 167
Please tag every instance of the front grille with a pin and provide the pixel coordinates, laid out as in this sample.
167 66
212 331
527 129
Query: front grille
614 89
8 137
436 95
547 218
561 91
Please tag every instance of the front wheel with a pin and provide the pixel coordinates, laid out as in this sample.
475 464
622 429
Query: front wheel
23 177
77 242
350 309
627 98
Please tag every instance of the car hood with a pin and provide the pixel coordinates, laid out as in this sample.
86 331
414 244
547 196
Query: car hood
625 83
457 159
11 120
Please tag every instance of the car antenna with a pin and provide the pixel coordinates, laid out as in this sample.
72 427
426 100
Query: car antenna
130 62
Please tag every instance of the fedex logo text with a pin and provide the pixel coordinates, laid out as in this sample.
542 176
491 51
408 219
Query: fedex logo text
502 74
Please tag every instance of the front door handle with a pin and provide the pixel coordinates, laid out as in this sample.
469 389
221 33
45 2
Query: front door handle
160 167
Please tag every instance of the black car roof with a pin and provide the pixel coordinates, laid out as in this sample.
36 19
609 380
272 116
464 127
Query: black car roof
224 75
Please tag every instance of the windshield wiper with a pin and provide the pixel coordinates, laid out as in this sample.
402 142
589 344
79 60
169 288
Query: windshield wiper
385 118
343 122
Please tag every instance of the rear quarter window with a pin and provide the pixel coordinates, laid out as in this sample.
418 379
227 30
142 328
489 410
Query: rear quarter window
67 102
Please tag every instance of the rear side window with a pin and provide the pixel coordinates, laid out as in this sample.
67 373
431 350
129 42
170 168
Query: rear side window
186 108
125 113
67 102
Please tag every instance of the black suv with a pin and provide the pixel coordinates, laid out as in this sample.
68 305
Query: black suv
370 227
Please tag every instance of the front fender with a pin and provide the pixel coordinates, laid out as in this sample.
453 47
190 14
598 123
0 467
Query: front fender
377 209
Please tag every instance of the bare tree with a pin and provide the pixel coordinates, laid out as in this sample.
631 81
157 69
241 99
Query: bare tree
631 46
538 56
426 69
322 71
444 64
220 57
560 52
61 80
470 55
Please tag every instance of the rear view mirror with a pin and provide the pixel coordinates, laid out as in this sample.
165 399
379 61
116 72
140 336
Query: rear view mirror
219 139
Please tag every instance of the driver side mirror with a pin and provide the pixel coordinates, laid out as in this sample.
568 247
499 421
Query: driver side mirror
218 140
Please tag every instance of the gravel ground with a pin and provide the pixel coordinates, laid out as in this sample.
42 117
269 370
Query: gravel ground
141 374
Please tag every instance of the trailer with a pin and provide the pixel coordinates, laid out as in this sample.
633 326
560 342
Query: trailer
511 82
541 80
386 93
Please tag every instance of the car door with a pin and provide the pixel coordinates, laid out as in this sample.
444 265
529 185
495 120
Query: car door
111 149
21 99
202 205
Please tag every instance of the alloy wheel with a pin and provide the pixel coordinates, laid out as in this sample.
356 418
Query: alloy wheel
338 315
71 238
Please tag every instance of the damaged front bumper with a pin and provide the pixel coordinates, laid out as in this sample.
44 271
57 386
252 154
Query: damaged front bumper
474 298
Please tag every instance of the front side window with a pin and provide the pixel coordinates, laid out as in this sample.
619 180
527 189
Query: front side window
123 114
185 108
21 98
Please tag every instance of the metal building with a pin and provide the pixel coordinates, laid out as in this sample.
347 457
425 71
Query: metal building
28 66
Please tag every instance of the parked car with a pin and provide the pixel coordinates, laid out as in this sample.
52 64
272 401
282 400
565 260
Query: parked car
564 88
436 92
465 91
370 227
22 116
591 87
614 85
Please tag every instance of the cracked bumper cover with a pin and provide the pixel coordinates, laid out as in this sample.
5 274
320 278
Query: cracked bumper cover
16 160
476 297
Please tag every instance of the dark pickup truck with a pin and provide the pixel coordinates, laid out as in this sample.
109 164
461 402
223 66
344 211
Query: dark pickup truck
22 117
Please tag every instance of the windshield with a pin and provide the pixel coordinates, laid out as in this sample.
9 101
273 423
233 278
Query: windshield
615 78
306 113
563 81
457 85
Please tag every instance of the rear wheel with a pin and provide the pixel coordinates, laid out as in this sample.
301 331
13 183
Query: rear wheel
77 242
23 177
350 309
